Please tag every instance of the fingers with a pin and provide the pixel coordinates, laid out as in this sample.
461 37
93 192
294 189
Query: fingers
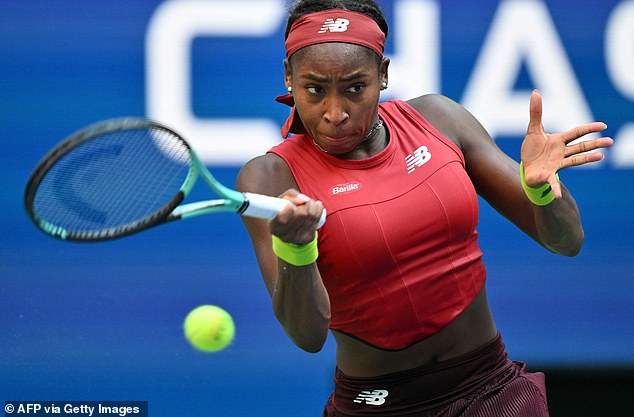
295 197
581 159
581 153
535 112
556 151
297 222
588 145
555 185
535 124
582 130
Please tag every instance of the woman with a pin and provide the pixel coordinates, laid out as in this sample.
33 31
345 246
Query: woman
396 272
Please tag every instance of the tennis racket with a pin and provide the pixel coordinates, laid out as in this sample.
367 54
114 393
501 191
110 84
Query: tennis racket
121 176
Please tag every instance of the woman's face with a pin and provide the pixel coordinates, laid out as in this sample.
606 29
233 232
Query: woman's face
336 89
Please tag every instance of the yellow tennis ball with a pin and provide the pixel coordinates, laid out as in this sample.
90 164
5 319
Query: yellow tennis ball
209 328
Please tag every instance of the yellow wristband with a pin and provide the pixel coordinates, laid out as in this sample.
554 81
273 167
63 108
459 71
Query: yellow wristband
540 196
298 255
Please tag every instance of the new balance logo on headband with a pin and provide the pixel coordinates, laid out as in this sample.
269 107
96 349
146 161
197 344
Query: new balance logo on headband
332 25
335 25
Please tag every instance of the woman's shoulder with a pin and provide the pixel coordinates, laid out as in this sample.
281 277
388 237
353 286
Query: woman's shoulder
434 105
445 114
265 174
266 163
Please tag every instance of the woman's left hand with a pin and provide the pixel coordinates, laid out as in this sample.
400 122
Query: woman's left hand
544 154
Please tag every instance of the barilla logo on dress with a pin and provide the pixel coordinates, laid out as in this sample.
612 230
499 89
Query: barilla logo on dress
376 397
417 159
345 188
334 25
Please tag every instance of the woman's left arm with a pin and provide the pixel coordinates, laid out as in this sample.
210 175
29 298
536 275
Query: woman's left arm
543 155
556 225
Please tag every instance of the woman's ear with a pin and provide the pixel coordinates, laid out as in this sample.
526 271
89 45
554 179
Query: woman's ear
385 63
288 75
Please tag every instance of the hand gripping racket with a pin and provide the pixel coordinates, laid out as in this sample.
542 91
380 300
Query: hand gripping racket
122 176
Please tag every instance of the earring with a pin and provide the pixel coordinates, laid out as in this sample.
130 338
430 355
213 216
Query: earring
289 89
384 85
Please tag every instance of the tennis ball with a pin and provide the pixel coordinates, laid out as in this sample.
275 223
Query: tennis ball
209 328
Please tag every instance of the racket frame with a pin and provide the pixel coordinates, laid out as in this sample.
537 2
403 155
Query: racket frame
233 200
248 204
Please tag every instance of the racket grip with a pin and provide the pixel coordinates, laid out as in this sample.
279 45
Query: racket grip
267 207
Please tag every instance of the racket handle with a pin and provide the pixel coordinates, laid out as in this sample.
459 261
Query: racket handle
267 207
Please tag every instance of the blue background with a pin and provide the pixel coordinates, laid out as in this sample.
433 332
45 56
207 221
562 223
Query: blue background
103 321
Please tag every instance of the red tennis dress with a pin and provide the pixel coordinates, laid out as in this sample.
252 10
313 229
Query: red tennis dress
398 254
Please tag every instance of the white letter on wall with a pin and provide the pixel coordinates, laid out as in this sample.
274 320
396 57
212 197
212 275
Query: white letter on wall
414 65
619 48
171 31
523 31
619 57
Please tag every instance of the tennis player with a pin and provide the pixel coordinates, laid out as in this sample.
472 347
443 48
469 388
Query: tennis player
396 272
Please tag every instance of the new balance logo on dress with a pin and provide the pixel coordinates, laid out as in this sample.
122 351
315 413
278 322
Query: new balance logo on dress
332 25
417 159
376 397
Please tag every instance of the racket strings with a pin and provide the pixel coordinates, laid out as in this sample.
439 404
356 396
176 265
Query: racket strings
156 176
113 180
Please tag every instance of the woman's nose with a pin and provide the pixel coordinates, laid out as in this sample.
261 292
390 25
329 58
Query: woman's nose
335 112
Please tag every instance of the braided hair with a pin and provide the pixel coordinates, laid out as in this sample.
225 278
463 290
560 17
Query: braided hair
367 7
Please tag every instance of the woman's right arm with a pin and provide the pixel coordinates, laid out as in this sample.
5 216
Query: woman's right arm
300 301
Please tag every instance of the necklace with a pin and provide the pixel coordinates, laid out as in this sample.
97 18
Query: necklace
374 128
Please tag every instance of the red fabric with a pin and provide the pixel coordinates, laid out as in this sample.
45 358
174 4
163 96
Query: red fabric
335 25
293 123
399 253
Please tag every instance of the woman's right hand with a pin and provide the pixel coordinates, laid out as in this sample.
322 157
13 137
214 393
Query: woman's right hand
297 223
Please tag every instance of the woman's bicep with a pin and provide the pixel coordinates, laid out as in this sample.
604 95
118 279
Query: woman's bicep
495 175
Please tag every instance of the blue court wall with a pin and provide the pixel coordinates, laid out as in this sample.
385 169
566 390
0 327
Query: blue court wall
103 321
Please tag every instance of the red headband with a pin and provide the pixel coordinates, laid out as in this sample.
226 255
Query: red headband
334 25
